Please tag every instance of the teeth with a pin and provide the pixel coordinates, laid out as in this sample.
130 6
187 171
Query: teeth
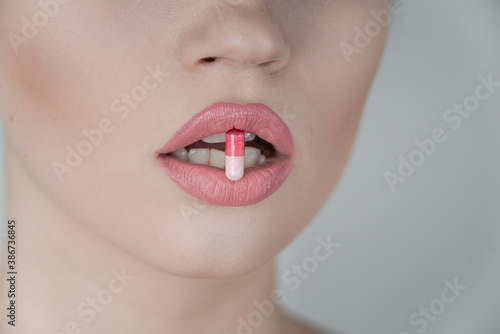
221 138
217 158
252 156
249 136
199 156
218 138
181 154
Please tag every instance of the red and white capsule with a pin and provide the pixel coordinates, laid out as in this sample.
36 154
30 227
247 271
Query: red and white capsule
235 154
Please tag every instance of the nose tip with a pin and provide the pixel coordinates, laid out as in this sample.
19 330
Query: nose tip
236 41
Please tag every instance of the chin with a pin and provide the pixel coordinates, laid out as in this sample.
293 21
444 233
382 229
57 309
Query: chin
214 244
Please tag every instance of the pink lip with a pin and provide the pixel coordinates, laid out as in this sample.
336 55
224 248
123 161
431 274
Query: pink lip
210 184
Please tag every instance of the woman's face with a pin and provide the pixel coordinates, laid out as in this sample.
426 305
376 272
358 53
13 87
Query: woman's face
91 91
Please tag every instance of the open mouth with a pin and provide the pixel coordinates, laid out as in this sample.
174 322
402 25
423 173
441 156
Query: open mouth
196 156
210 151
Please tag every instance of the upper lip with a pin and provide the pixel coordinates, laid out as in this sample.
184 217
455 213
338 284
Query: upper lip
221 117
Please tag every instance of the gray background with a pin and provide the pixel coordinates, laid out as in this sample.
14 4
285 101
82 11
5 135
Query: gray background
398 247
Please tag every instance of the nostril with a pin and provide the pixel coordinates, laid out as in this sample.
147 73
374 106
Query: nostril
267 63
208 60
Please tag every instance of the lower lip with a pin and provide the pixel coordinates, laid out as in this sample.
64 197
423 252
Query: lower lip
211 185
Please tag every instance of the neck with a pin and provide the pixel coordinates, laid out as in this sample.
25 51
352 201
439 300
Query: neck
69 280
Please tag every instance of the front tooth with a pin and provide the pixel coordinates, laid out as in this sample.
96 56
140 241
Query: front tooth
252 155
214 139
217 158
249 136
199 156
221 138
181 154
262 159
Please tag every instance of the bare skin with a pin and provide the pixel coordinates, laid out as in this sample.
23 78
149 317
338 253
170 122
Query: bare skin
108 248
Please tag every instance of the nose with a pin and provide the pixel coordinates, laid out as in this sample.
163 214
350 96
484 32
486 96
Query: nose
243 34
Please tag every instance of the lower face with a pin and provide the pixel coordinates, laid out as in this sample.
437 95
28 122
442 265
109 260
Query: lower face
90 101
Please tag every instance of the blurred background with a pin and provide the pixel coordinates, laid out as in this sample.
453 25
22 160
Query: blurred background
399 247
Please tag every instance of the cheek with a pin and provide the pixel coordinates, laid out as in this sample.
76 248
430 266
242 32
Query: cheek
63 80
58 89
336 91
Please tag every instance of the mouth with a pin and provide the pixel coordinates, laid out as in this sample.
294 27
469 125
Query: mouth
210 151
195 156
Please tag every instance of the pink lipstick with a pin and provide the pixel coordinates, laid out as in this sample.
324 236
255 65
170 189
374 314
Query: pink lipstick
210 184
